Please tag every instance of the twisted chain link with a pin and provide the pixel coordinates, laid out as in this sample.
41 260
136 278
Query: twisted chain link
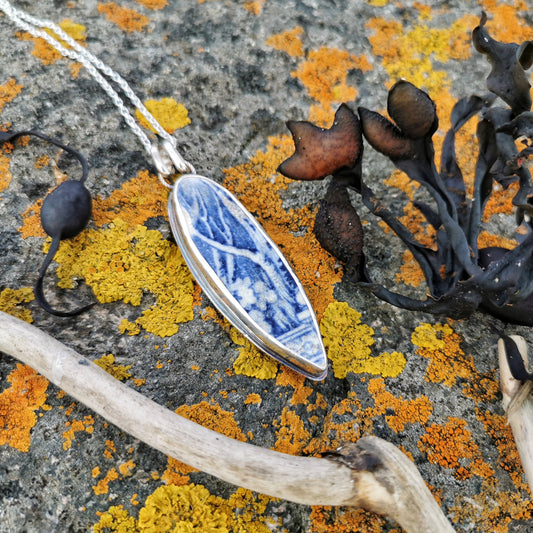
97 69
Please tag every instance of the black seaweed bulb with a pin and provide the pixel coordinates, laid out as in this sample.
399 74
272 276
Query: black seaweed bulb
65 213
460 277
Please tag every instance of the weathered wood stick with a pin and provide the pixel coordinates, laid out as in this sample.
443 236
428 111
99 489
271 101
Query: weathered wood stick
518 404
371 474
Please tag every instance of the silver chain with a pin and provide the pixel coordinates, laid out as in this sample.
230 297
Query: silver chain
166 158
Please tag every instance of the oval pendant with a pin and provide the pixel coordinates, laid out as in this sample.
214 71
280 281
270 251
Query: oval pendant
244 274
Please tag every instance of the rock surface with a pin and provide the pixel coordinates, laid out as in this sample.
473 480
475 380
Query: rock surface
241 69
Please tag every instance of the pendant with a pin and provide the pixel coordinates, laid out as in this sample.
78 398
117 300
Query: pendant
244 274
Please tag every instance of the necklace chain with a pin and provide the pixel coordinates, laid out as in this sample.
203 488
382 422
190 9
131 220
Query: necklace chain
166 159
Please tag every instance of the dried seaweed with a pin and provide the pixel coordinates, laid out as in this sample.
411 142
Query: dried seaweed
460 277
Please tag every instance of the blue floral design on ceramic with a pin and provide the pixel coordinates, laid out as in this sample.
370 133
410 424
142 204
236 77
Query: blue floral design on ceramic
250 266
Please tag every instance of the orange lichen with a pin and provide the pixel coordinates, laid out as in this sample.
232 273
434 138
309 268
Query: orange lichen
153 4
451 446
508 21
253 398
324 73
291 435
405 411
410 271
8 92
442 346
45 52
287 376
500 432
170 114
107 362
18 404
42 161
492 510
213 417
348 343
482 387
110 449
126 468
500 201
177 473
126 19
102 487
75 426
487 239
254 6
120 264
139 199
5 174
345 520
10 300
288 41
257 185
345 422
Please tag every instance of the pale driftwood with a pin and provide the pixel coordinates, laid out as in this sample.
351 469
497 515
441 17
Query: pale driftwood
518 404
371 474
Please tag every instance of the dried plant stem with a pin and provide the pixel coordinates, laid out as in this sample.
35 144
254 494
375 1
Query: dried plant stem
372 473
518 404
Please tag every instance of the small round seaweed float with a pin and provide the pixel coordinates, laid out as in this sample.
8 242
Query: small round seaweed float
461 278
65 212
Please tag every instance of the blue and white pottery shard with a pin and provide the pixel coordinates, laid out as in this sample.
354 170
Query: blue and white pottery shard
244 274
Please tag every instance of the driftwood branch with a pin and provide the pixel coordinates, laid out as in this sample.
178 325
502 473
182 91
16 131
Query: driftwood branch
517 401
371 474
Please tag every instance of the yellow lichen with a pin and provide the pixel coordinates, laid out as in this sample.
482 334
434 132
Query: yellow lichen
18 404
10 300
117 520
122 265
250 361
412 53
169 113
348 343
181 508
126 19
288 41
245 512
107 362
